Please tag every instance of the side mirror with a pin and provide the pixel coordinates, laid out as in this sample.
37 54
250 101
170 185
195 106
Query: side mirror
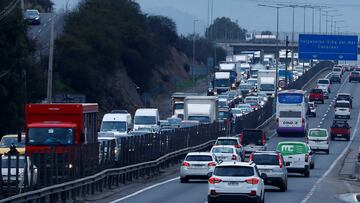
311 153
210 174
263 176
19 137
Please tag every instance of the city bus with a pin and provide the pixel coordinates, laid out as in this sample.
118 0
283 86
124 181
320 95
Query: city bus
291 113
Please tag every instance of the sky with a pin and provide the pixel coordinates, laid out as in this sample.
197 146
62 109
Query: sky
248 14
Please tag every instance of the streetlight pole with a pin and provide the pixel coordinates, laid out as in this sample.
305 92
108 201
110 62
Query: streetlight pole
332 21
51 54
313 20
193 58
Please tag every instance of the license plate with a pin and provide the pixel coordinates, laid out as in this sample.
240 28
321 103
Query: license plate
233 183
339 135
197 166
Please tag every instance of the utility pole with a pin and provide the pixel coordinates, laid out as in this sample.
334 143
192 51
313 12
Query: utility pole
51 54
193 58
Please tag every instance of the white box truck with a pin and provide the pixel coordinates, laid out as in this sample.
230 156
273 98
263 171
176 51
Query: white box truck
177 101
231 68
266 82
222 82
118 123
201 108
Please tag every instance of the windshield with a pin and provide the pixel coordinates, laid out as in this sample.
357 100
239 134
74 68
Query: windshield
234 171
113 126
336 69
5 162
266 159
267 87
323 82
236 111
343 97
145 120
179 106
343 105
245 87
223 114
201 119
226 150
222 104
31 13
355 73
222 83
206 158
8 141
317 133
252 137
51 136
252 82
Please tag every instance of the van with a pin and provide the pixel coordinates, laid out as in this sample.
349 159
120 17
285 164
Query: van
117 122
146 118
297 156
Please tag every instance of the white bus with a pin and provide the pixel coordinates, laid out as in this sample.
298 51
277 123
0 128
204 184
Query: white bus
291 112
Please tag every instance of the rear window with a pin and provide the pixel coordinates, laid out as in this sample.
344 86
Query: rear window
236 171
323 82
266 159
339 125
336 69
222 150
343 97
316 91
198 158
317 133
252 137
290 114
226 142
343 105
354 73
292 148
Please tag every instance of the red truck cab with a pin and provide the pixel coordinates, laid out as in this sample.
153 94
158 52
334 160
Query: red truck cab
340 129
316 94
59 126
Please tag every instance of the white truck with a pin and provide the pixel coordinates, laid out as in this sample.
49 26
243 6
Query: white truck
242 58
201 108
231 68
266 82
222 82
177 101
117 123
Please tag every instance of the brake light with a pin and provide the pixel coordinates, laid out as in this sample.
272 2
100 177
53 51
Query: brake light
306 157
233 157
280 161
212 164
263 141
185 164
214 180
252 181
213 192
251 157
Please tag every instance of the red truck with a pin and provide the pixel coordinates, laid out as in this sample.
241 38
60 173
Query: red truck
341 129
316 95
60 125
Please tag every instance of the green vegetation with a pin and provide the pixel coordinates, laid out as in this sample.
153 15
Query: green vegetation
224 29
41 5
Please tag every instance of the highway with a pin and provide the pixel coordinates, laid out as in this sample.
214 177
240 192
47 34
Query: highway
323 179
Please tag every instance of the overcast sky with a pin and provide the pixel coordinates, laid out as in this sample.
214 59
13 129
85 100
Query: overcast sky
249 15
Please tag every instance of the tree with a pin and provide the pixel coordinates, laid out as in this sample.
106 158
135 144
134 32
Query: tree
225 29
267 32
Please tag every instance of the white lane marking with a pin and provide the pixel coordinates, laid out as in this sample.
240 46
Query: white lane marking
39 30
319 126
321 123
322 119
271 136
144 190
45 25
325 115
318 182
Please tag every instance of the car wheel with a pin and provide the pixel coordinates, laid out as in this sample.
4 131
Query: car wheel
210 200
184 180
348 138
327 151
312 165
332 137
322 101
283 187
307 173
263 199
314 114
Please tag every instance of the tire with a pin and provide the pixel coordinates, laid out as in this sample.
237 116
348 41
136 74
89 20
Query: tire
327 151
348 138
332 137
312 165
283 187
307 173
322 101
314 114
263 199
211 200
184 180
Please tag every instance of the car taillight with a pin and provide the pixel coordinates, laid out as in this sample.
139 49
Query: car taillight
251 157
185 164
213 192
214 180
252 181
306 157
212 164
280 161
233 157
263 141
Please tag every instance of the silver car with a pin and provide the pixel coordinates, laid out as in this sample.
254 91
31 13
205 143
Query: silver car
272 164
232 141
225 153
197 165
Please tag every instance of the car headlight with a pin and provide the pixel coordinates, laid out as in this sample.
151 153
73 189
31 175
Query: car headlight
280 88
273 95
233 85
256 109
265 99
37 18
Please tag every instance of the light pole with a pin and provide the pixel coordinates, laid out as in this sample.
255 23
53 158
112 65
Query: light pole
51 54
332 21
337 29
277 44
326 20
193 58
337 21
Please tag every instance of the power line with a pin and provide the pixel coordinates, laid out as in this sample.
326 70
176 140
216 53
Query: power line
305 3
8 9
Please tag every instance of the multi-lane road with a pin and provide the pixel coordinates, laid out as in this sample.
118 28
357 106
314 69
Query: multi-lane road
327 182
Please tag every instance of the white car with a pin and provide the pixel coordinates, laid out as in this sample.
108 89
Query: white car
236 181
318 139
225 153
197 165
342 109
232 141
24 165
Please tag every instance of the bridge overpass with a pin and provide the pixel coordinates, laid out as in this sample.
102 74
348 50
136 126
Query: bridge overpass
237 47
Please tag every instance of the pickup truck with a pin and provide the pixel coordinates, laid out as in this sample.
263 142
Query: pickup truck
253 140
316 95
340 129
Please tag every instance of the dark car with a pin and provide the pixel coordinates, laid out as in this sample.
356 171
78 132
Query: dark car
32 17
354 76
335 78
341 129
